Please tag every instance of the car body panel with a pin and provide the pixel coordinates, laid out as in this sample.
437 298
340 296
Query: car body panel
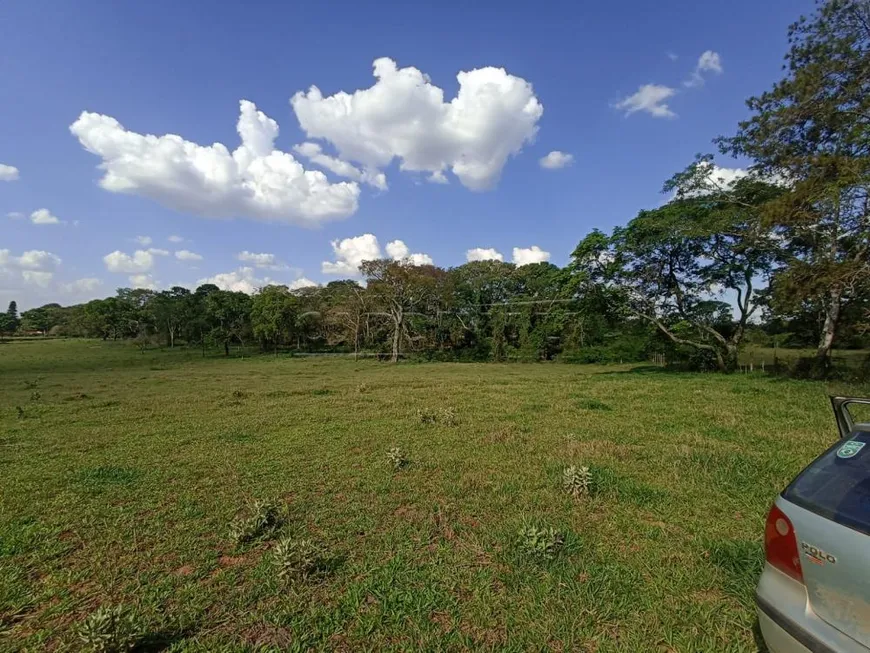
836 565
829 612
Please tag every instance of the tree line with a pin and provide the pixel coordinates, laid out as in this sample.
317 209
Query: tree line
780 252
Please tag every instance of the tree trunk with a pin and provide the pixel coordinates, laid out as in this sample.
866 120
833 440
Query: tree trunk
829 329
397 335
226 347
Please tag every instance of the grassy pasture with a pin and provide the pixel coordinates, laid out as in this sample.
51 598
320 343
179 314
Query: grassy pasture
120 473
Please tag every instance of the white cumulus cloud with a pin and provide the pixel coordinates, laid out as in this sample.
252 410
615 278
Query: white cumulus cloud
527 255
254 181
301 282
243 279
86 285
708 62
8 173
44 216
175 239
262 260
403 115
144 240
556 159
314 153
158 252
483 254
144 281
187 255
34 266
350 253
140 262
650 98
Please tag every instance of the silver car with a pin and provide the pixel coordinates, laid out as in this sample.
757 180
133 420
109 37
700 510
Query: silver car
814 593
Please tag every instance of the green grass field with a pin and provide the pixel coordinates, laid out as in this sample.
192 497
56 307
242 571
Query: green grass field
121 472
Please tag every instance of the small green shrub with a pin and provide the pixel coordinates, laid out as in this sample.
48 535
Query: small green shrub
577 481
298 559
110 630
20 412
263 518
593 404
544 543
447 416
398 458
35 395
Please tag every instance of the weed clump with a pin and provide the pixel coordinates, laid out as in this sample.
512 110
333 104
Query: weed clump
110 630
298 559
542 543
263 518
239 394
35 395
447 416
398 458
577 481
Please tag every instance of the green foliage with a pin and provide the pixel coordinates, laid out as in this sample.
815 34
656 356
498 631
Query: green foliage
110 629
446 416
540 542
299 559
577 481
259 520
398 459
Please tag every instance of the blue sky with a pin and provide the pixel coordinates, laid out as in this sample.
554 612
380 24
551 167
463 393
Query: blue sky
570 71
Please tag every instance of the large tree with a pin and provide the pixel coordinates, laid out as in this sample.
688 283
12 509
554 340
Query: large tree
401 291
170 309
273 315
669 263
813 130
228 316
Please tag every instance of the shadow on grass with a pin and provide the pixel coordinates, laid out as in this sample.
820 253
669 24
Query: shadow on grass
644 369
163 640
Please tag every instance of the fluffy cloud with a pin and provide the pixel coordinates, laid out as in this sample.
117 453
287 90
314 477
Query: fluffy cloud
483 254
351 252
145 281
245 280
263 261
398 251
187 255
242 280
255 180
556 159
144 240
158 252
44 216
33 266
175 239
8 173
650 98
708 62
141 261
527 255
314 153
79 286
301 282
403 115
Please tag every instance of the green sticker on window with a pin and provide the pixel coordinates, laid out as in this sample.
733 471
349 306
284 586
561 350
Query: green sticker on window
850 449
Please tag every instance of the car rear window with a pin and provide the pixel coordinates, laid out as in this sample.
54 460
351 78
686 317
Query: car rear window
837 484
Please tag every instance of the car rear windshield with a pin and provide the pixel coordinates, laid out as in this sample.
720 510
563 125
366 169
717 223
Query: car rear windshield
837 484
